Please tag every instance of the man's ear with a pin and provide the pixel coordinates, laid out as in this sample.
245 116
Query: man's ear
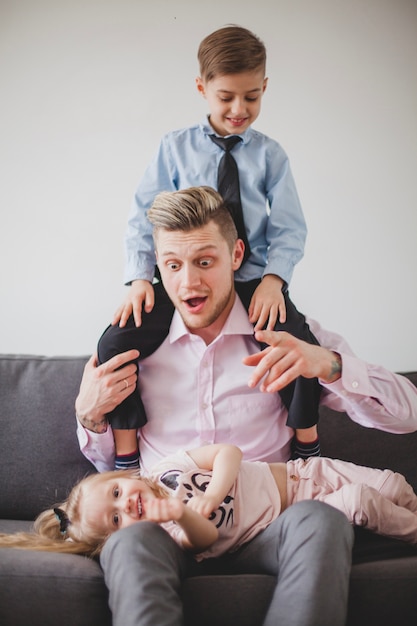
238 253
200 86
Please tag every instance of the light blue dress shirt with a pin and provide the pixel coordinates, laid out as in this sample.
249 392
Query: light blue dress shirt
272 211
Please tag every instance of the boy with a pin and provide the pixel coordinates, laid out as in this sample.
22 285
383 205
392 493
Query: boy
232 80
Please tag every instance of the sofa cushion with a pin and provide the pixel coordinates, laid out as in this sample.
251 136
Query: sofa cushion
38 440
51 589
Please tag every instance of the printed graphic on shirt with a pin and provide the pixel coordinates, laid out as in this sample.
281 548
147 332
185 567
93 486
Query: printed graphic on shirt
188 484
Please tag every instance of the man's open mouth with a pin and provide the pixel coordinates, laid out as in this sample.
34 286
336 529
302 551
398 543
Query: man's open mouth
195 302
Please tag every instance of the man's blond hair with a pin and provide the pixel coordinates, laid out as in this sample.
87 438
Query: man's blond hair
192 208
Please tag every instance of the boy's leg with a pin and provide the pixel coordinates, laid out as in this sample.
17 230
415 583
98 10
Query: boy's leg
302 396
311 590
126 448
130 414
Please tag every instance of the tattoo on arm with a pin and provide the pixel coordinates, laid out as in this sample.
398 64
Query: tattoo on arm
336 366
95 427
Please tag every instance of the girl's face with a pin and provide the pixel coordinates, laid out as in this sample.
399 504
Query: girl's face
114 504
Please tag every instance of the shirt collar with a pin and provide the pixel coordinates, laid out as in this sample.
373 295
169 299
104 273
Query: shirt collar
237 323
208 129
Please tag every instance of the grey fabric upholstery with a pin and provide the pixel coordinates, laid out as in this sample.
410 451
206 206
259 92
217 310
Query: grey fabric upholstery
40 461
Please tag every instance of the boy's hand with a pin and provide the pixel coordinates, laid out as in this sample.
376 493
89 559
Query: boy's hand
140 293
268 304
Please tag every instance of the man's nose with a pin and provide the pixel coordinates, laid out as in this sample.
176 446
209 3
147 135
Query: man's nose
190 275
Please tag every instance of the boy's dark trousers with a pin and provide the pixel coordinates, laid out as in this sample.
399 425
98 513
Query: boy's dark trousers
301 397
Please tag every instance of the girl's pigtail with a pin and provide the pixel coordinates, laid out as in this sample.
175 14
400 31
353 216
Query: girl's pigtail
47 536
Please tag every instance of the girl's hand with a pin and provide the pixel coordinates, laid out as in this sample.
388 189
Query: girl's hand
268 304
140 293
164 509
203 505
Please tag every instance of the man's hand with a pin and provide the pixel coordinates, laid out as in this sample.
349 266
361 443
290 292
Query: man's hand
103 387
287 358
267 304
140 294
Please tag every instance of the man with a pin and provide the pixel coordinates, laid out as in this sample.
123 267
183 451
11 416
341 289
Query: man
197 389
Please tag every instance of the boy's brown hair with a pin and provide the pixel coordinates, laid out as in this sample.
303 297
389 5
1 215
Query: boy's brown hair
230 50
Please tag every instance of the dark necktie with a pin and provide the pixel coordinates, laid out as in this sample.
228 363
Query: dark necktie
228 186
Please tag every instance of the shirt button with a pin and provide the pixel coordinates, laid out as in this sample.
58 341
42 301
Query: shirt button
355 384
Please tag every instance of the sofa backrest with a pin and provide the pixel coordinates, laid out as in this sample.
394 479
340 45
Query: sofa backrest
39 455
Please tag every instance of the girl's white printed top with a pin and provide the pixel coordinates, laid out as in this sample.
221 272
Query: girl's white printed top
251 505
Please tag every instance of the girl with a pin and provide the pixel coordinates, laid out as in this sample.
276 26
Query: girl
211 502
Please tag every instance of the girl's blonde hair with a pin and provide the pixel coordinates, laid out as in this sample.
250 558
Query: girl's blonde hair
61 529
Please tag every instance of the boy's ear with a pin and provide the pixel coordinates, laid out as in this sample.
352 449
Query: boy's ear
264 85
200 86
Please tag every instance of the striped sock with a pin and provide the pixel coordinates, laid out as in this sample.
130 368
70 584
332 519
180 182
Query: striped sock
303 450
127 461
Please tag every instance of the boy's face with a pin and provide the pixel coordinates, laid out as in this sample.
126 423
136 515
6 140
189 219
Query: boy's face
234 100
197 270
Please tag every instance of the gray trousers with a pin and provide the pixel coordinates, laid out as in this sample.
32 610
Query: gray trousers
308 548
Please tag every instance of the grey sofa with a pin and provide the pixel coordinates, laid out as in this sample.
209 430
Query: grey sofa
40 461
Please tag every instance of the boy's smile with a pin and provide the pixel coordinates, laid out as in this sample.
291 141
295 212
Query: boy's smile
234 100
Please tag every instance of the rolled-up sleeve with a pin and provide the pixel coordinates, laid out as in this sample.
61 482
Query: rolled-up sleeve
97 448
370 394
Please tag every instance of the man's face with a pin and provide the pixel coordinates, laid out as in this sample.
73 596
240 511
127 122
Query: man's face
197 270
234 100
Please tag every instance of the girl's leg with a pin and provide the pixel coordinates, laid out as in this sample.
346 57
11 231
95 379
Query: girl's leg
380 500
366 506
399 491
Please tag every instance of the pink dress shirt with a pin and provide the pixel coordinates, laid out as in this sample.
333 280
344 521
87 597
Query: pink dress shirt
196 394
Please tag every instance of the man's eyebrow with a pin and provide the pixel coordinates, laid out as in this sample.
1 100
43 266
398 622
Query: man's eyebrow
209 246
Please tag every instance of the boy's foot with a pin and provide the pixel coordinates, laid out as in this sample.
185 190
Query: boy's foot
305 449
127 461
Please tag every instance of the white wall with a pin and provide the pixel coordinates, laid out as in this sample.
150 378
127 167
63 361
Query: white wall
89 86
